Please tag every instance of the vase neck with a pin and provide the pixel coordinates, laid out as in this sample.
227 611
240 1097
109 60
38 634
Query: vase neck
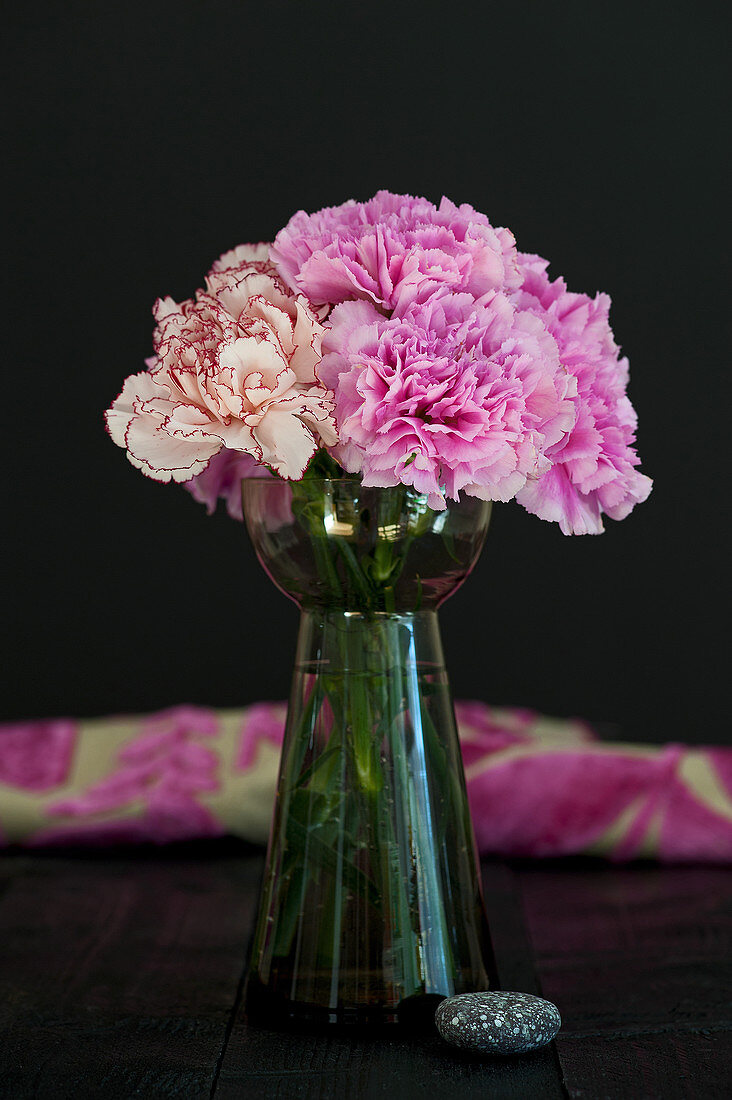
337 641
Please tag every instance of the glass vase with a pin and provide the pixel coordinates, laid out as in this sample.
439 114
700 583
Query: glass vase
371 909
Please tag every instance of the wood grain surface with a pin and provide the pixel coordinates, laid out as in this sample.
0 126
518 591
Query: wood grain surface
122 973
639 959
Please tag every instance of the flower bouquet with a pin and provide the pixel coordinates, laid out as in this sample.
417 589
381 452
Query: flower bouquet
360 392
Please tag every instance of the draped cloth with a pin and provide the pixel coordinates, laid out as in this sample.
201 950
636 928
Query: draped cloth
537 786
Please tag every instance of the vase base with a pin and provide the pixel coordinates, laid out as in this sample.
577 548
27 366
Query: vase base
412 1014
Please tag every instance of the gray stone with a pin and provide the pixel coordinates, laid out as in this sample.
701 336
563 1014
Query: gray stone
497 1023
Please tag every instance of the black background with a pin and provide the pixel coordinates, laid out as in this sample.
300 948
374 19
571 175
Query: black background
144 140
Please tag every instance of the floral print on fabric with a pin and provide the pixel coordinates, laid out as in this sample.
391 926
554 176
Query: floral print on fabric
537 786
160 776
36 756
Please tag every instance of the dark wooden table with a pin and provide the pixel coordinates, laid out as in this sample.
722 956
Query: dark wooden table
121 975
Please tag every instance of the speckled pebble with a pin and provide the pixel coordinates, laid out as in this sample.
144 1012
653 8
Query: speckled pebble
497 1023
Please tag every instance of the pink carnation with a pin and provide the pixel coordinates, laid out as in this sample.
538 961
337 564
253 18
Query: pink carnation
236 369
594 466
394 250
456 395
221 480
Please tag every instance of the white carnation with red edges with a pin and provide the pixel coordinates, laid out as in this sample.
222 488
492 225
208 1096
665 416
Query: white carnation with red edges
234 368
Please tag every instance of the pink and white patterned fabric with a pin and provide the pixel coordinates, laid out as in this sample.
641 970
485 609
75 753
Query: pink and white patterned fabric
537 786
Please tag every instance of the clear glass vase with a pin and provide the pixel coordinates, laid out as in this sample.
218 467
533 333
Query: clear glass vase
371 909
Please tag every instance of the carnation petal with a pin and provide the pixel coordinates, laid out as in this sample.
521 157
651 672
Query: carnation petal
136 388
163 457
553 497
242 254
287 444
